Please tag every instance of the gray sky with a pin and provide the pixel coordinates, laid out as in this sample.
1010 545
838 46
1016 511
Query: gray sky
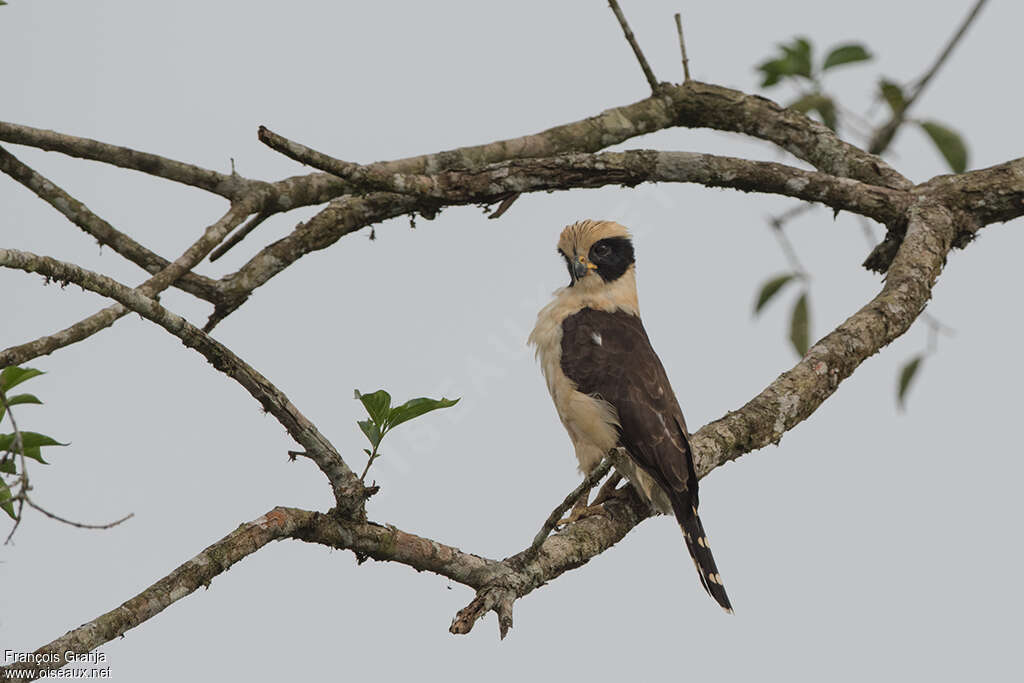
868 544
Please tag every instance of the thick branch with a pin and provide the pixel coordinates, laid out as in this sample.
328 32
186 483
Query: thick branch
348 491
988 195
692 104
192 575
796 394
228 186
570 171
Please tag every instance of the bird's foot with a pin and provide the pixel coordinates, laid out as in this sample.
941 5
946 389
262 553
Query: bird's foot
580 511
608 490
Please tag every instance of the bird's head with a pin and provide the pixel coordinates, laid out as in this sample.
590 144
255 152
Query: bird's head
596 252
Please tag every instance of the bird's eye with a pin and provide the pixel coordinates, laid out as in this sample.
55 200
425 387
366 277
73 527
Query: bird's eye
601 250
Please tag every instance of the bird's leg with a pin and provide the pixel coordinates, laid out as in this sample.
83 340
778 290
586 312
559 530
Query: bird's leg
583 508
579 510
608 490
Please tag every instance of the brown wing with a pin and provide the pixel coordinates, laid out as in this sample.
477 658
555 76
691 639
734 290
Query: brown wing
609 355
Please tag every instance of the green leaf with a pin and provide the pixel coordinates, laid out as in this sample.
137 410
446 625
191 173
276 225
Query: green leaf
907 373
12 376
770 288
795 61
34 453
807 103
799 326
372 431
3 2
18 399
845 54
377 404
893 94
415 407
7 466
799 54
5 500
950 144
29 440
774 70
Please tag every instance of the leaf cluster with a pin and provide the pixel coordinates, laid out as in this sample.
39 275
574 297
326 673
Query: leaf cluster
18 443
383 417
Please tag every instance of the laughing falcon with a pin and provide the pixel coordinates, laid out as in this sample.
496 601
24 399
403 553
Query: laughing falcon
609 387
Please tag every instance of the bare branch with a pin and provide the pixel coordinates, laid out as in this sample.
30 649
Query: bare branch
79 525
228 186
106 234
239 235
693 104
492 183
631 39
556 515
682 48
348 491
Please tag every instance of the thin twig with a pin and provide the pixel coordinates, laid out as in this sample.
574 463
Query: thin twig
556 515
944 55
240 234
106 234
19 448
631 39
348 491
78 525
884 134
211 237
682 49
506 203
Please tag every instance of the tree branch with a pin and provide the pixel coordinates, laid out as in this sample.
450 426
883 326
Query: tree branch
228 186
348 490
492 183
15 355
631 39
106 234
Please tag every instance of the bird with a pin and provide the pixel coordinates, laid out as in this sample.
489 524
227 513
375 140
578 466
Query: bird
609 387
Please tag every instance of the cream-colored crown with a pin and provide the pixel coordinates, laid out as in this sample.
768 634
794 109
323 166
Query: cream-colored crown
581 235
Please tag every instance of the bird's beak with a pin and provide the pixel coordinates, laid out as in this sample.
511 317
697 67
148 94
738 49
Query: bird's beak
580 267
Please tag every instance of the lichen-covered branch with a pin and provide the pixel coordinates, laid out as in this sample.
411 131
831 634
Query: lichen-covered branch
491 183
349 492
228 186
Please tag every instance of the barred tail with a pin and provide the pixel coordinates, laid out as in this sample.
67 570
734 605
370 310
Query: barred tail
700 551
